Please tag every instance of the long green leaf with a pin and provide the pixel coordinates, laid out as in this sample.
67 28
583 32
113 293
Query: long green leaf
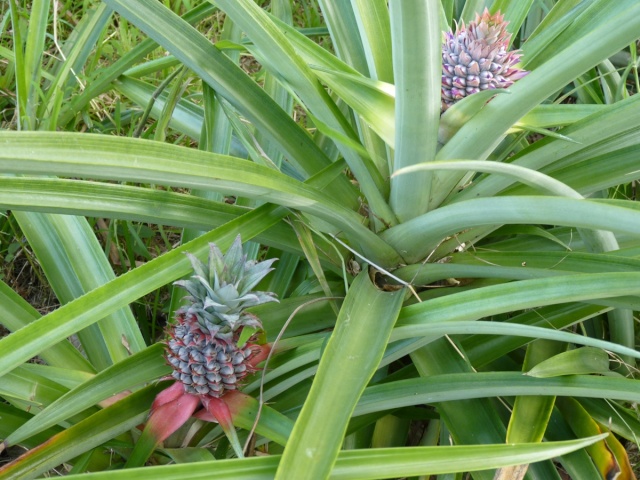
226 78
577 361
415 27
374 28
364 464
619 419
349 360
99 157
74 263
13 418
471 8
525 175
125 202
359 35
437 329
483 349
17 313
281 9
460 386
84 436
530 415
372 99
276 53
484 426
145 366
606 453
422 234
616 123
593 173
491 300
29 388
559 115
517 265
568 21
514 11
53 238
341 21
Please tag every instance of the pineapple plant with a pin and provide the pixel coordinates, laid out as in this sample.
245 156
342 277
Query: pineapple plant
206 348
477 57
203 344
510 271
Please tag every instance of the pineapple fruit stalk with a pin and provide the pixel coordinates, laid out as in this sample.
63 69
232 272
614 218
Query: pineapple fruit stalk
204 347
476 57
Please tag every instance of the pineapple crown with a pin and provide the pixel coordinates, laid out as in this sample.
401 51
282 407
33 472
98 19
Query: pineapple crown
486 28
476 57
220 291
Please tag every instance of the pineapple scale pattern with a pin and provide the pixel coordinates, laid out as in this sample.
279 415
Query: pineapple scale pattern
203 345
476 58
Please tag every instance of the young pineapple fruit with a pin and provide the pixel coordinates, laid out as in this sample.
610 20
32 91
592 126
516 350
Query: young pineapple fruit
476 58
203 342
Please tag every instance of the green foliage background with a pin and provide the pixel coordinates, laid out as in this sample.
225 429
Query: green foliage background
472 315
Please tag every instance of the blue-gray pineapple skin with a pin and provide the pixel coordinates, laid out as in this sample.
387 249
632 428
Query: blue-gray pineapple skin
203 342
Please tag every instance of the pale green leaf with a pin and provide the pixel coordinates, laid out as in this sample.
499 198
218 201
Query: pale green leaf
577 361
366 464
349 360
